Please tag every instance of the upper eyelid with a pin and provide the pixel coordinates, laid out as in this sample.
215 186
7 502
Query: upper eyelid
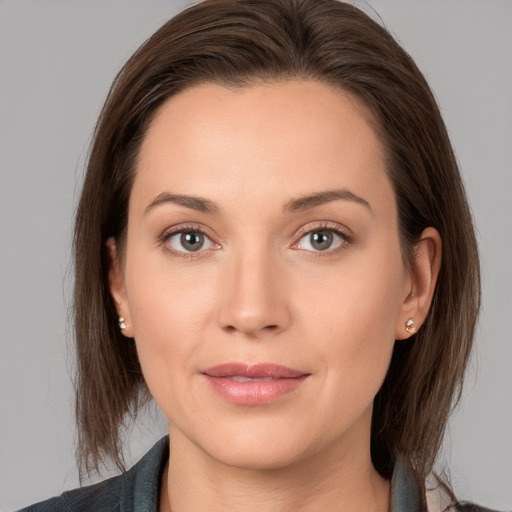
343 232
180 228
167 234
300 233
324 225
171 231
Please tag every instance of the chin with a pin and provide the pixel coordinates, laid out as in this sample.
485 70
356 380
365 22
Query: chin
258 457
255 447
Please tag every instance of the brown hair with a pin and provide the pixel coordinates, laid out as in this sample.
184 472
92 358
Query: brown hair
236 43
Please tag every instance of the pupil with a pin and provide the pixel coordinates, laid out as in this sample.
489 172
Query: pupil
321 240
192 240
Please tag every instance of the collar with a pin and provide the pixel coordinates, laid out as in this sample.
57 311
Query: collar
406 495
141 484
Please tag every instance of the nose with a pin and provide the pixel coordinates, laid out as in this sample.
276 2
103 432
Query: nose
254 296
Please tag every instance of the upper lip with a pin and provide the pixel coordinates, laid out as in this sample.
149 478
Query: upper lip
254 371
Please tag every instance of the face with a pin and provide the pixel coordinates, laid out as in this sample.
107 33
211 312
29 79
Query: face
262 277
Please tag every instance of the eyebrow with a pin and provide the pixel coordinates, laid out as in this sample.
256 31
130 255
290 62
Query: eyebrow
311 201
194 203
301 203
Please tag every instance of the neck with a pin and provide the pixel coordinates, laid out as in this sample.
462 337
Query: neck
338 478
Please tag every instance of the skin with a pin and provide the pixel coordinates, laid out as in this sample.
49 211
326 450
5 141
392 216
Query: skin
259 291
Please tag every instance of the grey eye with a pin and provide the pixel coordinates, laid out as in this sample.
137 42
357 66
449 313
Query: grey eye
192 241
321 240
189 241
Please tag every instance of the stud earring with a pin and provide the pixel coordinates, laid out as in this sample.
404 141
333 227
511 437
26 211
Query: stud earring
409 326
122 325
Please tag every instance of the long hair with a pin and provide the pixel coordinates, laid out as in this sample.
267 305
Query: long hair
237 43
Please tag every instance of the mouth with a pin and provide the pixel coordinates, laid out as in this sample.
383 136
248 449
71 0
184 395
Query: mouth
253 384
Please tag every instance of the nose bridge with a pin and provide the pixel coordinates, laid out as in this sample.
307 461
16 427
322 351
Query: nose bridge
254 299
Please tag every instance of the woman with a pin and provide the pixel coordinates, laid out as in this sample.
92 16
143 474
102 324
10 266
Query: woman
273 242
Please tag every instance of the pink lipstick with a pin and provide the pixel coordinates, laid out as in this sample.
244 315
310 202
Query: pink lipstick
253 384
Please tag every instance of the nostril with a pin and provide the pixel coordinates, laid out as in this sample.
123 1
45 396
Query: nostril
266 328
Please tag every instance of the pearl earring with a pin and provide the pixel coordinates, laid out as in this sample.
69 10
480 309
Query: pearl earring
122 325
409 326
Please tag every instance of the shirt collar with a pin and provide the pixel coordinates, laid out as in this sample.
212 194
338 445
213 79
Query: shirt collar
141 486
406 495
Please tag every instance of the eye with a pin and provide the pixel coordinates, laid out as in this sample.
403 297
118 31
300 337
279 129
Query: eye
188 241
319 240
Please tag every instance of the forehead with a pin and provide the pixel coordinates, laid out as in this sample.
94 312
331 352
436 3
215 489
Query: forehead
264 140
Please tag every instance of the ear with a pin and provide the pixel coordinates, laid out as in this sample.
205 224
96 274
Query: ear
117 288
423 274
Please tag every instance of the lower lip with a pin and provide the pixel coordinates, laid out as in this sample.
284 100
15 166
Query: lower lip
254 392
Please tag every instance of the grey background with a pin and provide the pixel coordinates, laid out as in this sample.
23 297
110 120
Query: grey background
57 59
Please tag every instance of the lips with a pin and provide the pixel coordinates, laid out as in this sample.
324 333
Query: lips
253 384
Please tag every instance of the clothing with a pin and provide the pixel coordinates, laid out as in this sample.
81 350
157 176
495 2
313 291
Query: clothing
138 490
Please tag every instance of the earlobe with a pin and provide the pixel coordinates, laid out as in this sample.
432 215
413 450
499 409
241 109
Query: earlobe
117 288
424 271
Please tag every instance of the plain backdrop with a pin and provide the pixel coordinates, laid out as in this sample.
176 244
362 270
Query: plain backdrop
57 59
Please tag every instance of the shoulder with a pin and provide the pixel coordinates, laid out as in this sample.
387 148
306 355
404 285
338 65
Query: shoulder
137 489
435 498
439 501
470 507
103 496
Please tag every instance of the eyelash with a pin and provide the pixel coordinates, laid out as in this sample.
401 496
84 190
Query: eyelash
306 230
184 228
332 227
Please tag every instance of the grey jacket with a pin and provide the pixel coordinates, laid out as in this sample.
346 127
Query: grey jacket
137 490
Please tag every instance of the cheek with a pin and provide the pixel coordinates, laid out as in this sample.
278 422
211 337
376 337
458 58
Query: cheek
366 285
169 310
352 314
